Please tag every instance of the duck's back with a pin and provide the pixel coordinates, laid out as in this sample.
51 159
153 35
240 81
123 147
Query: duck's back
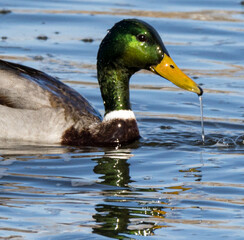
36 106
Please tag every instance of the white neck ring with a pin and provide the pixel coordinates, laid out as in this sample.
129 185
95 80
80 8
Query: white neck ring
119 114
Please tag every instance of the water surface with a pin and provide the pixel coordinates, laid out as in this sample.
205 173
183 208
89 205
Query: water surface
168 185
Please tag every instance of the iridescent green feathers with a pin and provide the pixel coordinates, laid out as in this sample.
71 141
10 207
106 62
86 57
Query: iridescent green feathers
129 46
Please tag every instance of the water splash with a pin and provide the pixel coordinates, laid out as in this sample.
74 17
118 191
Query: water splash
239 140
201 109
225 142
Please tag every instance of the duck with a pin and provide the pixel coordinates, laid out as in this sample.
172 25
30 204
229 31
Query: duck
36 107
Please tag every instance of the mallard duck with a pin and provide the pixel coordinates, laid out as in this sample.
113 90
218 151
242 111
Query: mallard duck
39 108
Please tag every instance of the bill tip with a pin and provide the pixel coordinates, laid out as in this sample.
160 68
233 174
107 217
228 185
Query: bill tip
201 91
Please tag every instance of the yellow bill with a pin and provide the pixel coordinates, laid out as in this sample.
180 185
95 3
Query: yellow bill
169 70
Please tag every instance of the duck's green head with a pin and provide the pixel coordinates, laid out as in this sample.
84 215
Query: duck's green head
132 45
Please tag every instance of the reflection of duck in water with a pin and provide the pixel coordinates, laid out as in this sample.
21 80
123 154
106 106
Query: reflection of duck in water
128 207
114 168
119 211
37 107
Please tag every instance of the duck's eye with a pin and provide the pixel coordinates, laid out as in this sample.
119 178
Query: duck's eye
141 38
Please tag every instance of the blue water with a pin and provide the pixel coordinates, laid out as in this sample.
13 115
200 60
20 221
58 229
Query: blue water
167 185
